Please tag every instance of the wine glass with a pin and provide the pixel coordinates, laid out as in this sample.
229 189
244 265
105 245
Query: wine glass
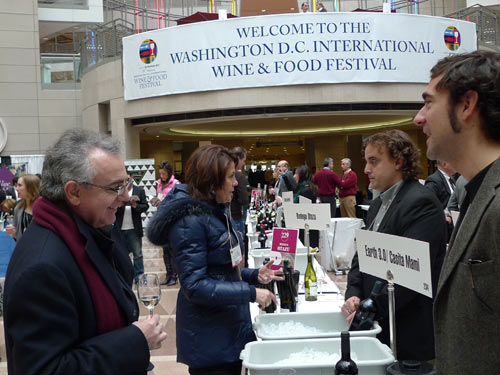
149 290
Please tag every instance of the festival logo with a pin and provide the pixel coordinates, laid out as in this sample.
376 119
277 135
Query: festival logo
452 38
148 51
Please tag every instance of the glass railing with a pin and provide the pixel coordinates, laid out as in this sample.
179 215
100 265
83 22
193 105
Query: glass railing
63 4
60 71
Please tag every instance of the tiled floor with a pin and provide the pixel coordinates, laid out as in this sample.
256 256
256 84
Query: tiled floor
164 358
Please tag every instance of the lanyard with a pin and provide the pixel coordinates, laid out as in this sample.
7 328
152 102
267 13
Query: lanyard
231 241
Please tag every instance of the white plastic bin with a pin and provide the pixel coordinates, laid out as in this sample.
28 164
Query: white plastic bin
260 357
330 323
300 257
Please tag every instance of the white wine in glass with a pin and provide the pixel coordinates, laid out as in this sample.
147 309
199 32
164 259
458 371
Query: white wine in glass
149 290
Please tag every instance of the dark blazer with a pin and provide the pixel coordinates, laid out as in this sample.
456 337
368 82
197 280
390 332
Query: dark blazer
415 213
49 318
438 184
12 192
142 206
286 183
467 303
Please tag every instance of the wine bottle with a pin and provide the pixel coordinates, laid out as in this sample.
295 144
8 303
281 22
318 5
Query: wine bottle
262 237
310 280
345 366
367 309
269 286
287 293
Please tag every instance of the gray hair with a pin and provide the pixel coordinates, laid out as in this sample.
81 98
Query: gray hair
327 162
68 160
348 161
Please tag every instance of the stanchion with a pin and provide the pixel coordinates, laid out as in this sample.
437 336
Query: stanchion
403 367
392 313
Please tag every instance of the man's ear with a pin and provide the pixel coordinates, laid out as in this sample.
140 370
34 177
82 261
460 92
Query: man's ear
72 190
469 104
398 164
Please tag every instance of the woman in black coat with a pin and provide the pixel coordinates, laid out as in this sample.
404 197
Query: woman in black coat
306 188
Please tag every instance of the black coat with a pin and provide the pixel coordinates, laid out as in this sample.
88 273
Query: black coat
49 318
415 213
438 184
142 206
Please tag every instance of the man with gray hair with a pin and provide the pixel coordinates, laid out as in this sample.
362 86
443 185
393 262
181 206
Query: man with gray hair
286 181
348 188
67 306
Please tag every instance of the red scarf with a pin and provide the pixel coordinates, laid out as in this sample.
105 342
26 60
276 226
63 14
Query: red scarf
108 315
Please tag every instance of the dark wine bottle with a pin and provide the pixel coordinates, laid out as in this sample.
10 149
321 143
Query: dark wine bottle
262 237
367 309
269 286
345 366
288 290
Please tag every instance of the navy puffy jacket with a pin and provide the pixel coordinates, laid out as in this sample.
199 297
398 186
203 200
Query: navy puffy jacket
213 315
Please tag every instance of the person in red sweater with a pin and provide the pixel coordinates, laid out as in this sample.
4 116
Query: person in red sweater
327 181
347 191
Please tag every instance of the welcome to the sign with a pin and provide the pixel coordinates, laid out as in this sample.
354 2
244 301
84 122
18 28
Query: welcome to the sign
290 49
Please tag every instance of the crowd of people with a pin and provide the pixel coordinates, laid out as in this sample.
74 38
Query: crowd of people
69 304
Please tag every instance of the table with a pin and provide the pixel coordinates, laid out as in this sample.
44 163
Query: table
337 243
329 296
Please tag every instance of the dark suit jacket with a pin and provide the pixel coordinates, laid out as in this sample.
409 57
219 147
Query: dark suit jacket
415 213
286 183
12 192
467 303
438 184
142 206
49 316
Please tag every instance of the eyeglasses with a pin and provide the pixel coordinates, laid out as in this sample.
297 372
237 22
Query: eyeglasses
119 190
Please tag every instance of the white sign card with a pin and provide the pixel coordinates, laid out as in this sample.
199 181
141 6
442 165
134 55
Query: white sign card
287 197
290 49
407 259
316 215
303 199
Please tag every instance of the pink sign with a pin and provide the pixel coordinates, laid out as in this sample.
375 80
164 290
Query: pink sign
284 246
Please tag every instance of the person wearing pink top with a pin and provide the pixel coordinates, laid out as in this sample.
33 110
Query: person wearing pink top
165 183
347 191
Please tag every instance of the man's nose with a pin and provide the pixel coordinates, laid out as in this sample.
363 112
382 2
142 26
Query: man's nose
419 119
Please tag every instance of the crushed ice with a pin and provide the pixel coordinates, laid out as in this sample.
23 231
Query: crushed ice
309 356
288 328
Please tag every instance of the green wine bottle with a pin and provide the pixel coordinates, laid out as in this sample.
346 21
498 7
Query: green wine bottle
310 280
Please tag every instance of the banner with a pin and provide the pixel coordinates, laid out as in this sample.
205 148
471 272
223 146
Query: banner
290 49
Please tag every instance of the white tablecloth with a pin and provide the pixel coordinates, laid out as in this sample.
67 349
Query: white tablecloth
337 243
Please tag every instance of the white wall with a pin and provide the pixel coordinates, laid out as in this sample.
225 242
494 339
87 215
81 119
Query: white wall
34 117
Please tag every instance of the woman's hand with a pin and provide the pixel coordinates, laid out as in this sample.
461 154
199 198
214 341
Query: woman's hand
11 230
266 274
264 297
